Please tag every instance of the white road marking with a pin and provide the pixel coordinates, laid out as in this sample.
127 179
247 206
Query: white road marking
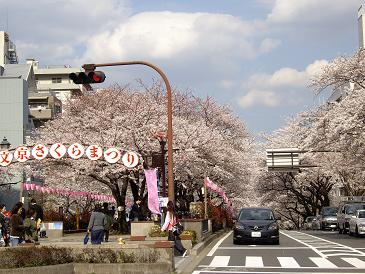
322 262
262 247
355 262
253 261
288 262
303 243
211 252
306 238
219 261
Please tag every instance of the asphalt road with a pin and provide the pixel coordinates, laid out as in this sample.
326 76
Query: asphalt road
298 252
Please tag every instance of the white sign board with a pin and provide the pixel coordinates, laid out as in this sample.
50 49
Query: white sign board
163 201
282 159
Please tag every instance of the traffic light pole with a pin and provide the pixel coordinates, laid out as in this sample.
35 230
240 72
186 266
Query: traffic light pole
171 188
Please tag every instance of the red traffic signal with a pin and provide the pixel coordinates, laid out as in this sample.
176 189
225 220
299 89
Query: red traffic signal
93 77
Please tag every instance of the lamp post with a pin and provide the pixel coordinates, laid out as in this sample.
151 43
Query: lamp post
91 67
4 144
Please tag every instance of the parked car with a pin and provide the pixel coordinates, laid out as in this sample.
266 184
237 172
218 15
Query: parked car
345 211
328 218
357 223
316 223
256 224
308 222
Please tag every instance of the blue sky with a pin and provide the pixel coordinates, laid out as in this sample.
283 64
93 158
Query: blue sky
256 56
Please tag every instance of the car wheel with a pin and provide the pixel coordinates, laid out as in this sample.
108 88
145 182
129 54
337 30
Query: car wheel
344 229
350 232
276 242
339 230
235 242
356 231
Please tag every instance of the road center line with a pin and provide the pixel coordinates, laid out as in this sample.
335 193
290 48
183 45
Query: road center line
211 252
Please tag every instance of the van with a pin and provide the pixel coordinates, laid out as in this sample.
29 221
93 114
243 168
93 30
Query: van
345 211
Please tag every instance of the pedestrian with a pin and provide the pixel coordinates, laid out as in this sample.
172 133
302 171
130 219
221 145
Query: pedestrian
4 225
136 213
16 225
97 225
170 221
39 218
30 226
109 221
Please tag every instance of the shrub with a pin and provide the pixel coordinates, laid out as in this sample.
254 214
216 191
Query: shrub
155 231
34 256
191 233
41 256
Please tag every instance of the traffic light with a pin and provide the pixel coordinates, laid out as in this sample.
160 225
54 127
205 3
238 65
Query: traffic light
92 77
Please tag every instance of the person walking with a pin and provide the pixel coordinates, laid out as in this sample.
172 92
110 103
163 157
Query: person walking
170 221
4 225
16 225
109 221
30 226
136 213
39 218
97 225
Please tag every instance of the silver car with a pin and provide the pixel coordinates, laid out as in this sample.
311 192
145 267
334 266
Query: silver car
357 223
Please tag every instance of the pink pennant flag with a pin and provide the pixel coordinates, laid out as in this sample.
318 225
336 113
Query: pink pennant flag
38 188
43 189
27 186
32 186
151 180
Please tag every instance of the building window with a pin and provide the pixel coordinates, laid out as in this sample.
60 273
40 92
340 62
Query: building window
57 80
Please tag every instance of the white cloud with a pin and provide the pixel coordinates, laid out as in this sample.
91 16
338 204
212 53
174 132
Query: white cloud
284 86
259 97
188 36
311 11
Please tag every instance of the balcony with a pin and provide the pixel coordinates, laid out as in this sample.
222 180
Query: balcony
41 113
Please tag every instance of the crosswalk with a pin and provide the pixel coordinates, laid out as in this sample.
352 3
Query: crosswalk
287 262
322 247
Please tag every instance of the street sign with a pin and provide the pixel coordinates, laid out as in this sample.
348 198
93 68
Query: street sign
282 159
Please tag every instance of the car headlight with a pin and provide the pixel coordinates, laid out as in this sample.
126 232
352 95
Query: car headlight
273 226
239 226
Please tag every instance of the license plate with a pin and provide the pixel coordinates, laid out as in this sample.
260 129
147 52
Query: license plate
255 234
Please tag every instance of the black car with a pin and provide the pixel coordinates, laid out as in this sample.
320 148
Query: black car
256 224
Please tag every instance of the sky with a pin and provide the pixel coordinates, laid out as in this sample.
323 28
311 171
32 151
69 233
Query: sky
257 56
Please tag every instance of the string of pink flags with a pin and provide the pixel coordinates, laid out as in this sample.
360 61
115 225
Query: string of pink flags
215 188
68 193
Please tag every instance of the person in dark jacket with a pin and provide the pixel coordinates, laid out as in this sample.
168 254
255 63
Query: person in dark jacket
37 208
39 217
136 213
16 225
30 227
4 225
109 221
97 225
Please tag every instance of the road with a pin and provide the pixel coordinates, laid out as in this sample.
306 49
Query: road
298 252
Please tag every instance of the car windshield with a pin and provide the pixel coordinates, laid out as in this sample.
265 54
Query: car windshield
256 214
350 209
329 211
309 219
362 214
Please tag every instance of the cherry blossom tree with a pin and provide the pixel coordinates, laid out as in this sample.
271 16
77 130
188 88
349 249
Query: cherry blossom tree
208 140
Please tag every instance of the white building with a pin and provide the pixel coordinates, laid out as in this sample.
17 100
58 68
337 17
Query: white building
361 26
55 80
7 50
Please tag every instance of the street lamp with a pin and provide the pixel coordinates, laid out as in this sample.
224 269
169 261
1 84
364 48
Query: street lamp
4 144
171 189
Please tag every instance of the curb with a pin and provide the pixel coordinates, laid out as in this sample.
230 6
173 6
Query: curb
200 246
192 259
